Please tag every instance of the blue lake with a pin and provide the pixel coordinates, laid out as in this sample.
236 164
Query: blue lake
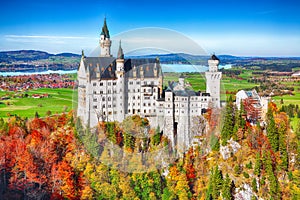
165 68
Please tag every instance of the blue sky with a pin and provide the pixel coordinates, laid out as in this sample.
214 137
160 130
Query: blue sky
250 28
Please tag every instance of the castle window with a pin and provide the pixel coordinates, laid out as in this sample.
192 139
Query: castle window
169 105
95 100
114 83
108 91
109 99
130 83
149 104
95 92
128 90
145 111
101 92
138 90
103 98
149 110
139 110
101 83
133 104
154 110
169 99
138 97
144 104
94 84
154 89
115 112
104 113
182 111
103 106
95 107
133 97
129 111
137 82
168 111
109 112
144 90
133 90
114 98
152 82
154 103
109 106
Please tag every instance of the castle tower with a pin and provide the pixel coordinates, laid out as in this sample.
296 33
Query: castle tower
105 42
213 80
169 117
120 73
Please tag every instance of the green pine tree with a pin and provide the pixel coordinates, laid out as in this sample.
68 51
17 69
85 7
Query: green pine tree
257 167
254 185
227 130
226 188
272 133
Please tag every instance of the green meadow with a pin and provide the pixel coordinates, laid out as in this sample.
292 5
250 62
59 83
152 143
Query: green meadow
59 100
64 99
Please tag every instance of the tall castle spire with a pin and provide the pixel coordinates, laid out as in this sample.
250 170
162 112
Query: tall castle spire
120 52
105 42
105 30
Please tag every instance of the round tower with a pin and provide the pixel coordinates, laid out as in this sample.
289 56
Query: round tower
213 80
105 42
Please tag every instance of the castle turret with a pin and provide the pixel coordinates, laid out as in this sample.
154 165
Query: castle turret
181 80
213 80
169 117
105 42
120 73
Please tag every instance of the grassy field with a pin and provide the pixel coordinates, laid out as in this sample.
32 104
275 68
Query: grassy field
59 100
66 99
227 84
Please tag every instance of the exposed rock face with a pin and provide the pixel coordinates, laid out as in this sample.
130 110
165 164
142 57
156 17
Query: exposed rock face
244 192
231 148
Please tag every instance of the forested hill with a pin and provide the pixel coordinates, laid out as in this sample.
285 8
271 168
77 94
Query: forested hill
23 60
31 55
31 60
54 158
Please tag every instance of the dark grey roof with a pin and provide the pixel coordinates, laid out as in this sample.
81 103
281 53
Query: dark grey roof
147 66
185 92
106 66
105 30
120 52
214 57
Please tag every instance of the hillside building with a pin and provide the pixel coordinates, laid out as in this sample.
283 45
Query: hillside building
112 88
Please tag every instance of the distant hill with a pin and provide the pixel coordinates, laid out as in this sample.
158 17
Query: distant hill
23 60
30 55
32 60
264 63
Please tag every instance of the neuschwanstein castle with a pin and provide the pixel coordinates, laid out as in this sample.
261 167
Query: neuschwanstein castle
110 89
